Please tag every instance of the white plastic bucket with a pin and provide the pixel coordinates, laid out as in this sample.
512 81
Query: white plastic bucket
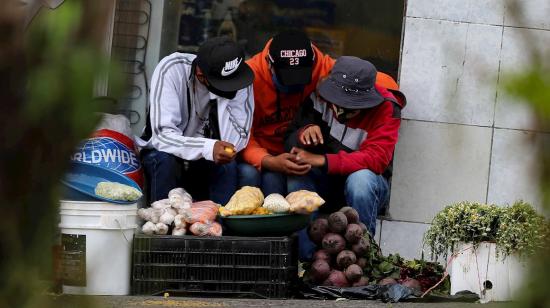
97 247
477 269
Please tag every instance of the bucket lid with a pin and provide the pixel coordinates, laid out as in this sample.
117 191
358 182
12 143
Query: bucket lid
83 178
96 206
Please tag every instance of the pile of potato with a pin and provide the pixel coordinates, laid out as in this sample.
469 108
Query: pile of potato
250 201
342 243
179 215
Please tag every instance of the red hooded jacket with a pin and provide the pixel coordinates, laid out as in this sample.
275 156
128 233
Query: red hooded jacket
274 111
366 141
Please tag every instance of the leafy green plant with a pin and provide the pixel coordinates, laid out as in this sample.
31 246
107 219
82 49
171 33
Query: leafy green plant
521 230
48 74
515 229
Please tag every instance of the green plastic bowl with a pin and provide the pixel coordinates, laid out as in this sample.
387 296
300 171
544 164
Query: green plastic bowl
265 225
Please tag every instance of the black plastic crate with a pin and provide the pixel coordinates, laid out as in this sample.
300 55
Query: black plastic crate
243 266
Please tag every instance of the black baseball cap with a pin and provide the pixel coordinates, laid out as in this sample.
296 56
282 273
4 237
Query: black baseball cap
222 62
292 57
350 84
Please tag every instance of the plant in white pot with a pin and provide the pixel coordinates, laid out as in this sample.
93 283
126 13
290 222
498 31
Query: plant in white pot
488 246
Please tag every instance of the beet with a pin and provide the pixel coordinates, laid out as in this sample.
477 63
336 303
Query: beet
351 214
412 283
353 273
333 243
387 281
345 258
337 222
320 270
364 227
353 233
337 279
317 230
361 282
321 255
362 262
361 248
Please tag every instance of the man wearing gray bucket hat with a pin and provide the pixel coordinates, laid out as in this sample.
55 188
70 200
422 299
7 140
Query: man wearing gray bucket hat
347 131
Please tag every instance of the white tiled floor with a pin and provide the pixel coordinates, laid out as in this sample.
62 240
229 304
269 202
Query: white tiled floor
405 238
378 230
476 11
449 71
453 54
511 112
533 14
514 167
436 165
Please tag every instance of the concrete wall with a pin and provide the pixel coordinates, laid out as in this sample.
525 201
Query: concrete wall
462 137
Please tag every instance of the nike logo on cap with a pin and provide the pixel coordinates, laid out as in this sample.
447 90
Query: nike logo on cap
231 66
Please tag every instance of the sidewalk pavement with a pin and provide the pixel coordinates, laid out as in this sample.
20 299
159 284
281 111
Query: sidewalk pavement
186 302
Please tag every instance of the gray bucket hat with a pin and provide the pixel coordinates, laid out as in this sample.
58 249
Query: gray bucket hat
351 84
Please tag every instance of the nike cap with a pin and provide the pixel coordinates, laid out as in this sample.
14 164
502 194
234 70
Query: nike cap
222 62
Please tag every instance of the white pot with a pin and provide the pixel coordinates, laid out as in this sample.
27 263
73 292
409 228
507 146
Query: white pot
477 269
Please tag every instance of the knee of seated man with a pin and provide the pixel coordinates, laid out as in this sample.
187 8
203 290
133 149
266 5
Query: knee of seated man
160 159
248 172
361 181
229 168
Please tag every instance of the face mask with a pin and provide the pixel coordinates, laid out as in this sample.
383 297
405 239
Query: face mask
220 93
342 114
286 89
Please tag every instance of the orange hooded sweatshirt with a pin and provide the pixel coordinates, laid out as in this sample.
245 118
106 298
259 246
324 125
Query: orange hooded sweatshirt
273 111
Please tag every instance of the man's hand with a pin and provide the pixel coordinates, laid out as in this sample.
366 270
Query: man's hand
223 153
285 163
305 157
311 136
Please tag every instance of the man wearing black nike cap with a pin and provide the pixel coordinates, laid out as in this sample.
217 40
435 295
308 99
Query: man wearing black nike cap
200 115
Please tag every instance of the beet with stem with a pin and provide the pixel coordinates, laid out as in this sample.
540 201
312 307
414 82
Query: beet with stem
337 222
362 262
337 279
361 248
363 227
364 281
345 258
351 214
353 273
412 283
387 281
320 270
333 243
318 229
353 233
321 255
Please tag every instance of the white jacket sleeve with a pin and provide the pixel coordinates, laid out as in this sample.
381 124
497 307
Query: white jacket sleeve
169 112
235 118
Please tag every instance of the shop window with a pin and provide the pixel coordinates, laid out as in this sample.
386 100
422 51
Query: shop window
364 28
